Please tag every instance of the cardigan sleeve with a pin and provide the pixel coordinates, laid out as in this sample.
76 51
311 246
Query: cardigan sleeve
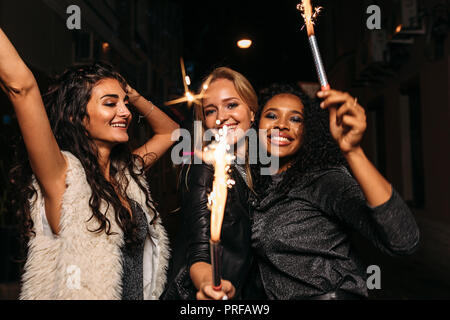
391 226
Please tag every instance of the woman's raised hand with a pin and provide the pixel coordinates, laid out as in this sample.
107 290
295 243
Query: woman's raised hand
133 95
347 118
347 126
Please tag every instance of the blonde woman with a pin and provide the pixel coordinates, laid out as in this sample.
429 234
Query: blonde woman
230 101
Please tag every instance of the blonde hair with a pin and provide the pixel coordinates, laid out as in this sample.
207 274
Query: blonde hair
241 84
246 93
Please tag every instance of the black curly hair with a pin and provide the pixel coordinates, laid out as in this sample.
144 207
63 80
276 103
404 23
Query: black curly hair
66 105
318 150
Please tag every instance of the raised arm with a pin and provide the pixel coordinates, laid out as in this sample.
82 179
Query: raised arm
347 126
46 159
162 125
389 223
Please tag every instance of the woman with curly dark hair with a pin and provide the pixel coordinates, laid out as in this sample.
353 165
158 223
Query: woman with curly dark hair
301 222
93 231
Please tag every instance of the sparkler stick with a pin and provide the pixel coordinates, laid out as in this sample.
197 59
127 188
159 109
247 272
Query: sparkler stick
217 154
309 15
216 263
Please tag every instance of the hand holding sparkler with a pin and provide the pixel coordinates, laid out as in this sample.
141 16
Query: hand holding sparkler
201 275
347 118
347 126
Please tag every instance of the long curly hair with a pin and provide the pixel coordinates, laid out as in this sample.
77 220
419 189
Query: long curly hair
66 105
318 149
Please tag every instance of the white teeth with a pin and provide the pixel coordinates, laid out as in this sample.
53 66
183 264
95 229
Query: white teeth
119 125
279 139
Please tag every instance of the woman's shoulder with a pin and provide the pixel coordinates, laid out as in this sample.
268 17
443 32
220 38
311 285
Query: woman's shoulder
328 173
334 182
330 179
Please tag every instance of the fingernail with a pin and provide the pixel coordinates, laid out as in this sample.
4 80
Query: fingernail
225 297
322 105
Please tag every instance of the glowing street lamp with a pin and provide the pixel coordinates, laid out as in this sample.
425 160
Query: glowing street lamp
244 43
105 46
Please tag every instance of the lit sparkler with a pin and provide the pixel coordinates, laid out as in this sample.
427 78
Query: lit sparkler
188 97
309 15
217 153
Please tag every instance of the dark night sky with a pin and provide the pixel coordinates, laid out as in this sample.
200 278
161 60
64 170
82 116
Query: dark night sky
280 50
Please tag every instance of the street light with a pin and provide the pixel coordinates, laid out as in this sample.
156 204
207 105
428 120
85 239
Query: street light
244 43
105 46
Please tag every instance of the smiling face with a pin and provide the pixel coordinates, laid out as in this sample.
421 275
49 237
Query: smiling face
282 117
223 104
109 116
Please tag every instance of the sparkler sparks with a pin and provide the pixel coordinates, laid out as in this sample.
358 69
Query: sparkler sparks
309 15
217 153
188 97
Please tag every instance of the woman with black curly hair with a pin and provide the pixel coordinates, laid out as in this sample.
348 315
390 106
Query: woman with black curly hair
93 231
302 220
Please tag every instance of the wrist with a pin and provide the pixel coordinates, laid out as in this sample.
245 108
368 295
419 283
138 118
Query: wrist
134 98
354 154
201 275
204 283
149 111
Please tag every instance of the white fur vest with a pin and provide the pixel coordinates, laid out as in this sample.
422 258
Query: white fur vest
80 264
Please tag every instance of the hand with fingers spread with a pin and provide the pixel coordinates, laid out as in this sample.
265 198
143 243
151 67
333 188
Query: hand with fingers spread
347 118
207 292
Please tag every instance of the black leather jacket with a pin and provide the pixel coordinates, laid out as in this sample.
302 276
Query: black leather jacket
193 243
